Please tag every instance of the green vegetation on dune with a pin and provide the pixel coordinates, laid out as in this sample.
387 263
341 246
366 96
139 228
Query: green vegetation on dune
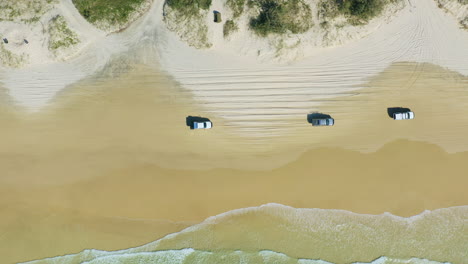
189 8
464 22
108 11
10 59
29 11
266 17
237 7
280 16
187 18
447 6
362 9
189 4
60 35
357 12
229 27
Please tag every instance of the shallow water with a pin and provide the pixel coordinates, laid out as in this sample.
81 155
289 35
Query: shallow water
278 234
199 256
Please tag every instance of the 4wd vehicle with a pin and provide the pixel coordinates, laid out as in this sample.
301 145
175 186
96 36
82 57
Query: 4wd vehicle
323 122
403 115
198 122
320 119
202 125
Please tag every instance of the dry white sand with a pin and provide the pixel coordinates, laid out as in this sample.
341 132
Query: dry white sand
240 87
231 79
44 73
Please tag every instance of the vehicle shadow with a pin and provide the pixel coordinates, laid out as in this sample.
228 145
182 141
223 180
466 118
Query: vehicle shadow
190 119
316 115
392 110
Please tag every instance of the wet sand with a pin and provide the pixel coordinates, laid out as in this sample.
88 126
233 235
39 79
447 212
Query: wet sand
112 163
439 99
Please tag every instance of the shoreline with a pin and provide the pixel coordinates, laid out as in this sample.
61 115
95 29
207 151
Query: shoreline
222 238
108 162
106 137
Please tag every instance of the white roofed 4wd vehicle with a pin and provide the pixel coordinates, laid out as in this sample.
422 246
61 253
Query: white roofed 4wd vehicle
202 125
400 113
402 116
320 119
198 122
323 122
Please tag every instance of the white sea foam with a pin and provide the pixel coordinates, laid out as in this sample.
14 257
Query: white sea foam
444 225
167 256
192 256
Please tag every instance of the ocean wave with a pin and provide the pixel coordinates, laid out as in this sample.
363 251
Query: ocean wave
275 233
190 255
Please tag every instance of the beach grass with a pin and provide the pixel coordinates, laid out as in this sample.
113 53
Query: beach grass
61 36
181 4
357 12
9 58
229 27
187 18
280 16
461 17
237 7
189 8
361 9
29 11
109 11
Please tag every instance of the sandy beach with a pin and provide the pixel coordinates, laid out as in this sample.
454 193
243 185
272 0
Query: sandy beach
96 152
115 177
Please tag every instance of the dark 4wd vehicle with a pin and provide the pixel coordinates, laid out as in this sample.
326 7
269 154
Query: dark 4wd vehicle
323 122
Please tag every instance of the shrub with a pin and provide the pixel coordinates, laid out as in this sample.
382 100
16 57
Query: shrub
189 5
281 16
237 7
10 59
29 11
60 35
229 27
110 11
361 9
